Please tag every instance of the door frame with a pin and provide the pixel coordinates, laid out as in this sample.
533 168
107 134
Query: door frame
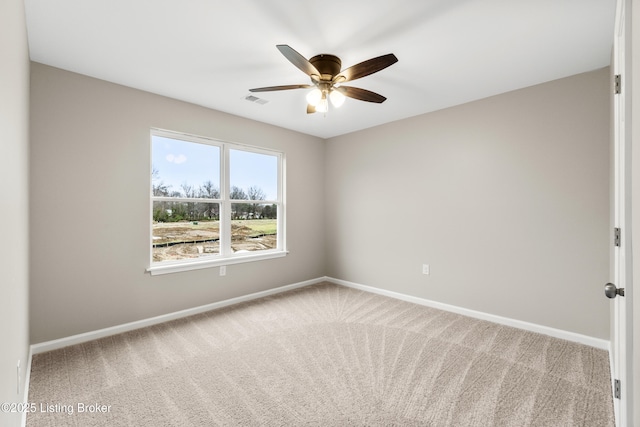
621 338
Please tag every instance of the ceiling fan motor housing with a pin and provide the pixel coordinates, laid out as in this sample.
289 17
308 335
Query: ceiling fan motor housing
328 65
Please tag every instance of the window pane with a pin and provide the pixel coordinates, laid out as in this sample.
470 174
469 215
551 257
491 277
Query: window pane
254 227
184 169
184 230
253 176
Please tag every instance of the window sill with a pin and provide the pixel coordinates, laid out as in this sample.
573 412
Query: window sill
197 265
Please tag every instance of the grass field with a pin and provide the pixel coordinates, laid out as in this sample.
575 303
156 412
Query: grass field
258 226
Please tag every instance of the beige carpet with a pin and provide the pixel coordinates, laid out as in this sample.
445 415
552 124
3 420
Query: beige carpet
323 355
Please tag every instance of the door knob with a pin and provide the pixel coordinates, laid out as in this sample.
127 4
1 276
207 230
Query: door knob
611 291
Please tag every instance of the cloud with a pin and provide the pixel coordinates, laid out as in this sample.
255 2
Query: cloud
176 159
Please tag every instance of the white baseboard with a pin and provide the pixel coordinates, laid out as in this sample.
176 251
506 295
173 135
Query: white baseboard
101 333
532 327
27 380
113 330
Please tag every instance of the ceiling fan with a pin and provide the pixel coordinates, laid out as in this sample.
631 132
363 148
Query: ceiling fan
327 79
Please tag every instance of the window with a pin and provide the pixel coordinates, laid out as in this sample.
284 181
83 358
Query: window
213 203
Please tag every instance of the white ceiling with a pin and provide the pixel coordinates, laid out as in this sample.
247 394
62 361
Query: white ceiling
210 52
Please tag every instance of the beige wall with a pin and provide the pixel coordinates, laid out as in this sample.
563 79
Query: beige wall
14 261
90 175
506 198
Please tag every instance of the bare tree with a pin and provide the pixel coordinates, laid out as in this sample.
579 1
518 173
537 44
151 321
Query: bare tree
208 210
237 193
188 190
238 210
158 187
256 193
209 191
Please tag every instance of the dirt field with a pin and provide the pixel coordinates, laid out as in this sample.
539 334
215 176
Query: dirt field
180 240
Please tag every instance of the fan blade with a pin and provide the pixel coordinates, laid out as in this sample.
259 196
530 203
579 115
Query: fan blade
360 94
286 87
310 109
365 68
299 61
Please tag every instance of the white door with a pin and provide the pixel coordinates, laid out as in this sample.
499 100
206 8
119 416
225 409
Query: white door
620 356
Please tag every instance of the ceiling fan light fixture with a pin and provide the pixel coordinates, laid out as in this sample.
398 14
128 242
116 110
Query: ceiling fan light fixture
323 105
337 98
314 97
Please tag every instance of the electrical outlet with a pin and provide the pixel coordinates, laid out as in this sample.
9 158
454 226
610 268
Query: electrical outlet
425 269
223 270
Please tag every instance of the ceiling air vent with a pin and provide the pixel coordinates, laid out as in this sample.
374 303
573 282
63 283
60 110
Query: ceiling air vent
256 99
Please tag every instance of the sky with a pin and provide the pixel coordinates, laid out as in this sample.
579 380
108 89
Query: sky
179 162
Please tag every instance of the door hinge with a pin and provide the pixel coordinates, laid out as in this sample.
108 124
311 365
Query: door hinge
616 389
616 236
617 84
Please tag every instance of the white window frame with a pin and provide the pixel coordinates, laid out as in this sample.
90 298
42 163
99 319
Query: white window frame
225 256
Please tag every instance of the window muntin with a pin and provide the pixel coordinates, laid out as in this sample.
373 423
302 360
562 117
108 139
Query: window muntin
196 218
